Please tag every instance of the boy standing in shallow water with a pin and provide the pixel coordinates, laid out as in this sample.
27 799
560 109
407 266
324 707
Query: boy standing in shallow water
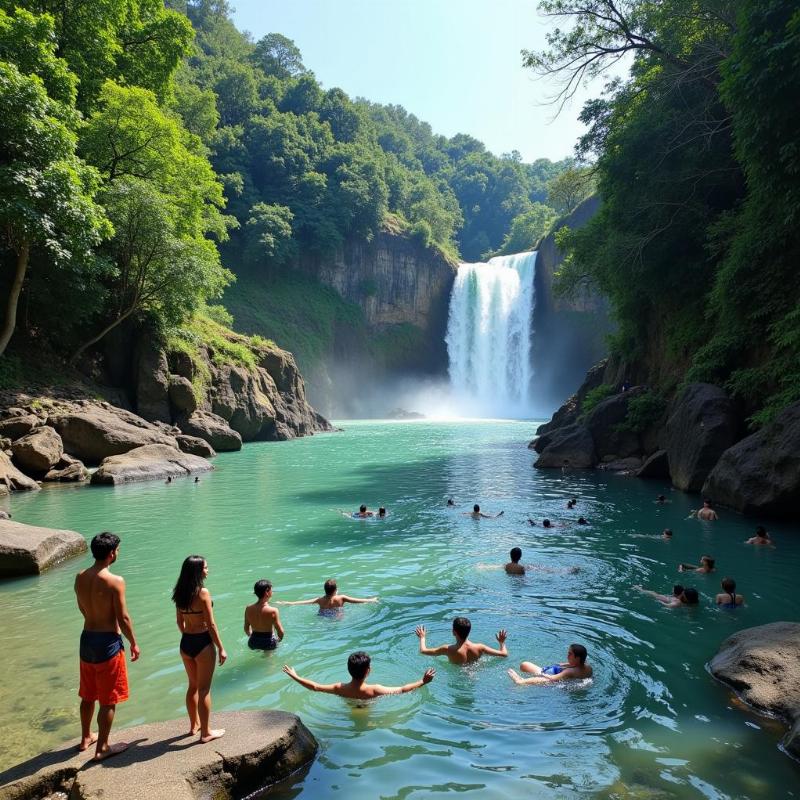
358 665
463 651
104 676
261 620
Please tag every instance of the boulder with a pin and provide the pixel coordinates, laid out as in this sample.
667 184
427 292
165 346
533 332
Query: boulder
573 444
152 384
259 748
762 665
213 429
30 550
242 398
606 423
702 426
38 451
149 462
656 466
15 426
12 479
568 413
5 514
67 470
195 446
761 473
94 432
181 394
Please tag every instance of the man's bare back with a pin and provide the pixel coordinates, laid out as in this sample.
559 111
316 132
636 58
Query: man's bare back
99 593
463 651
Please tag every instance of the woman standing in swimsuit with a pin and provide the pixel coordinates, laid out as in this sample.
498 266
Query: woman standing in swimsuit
195 617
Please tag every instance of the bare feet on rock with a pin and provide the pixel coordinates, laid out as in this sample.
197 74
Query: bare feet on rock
87 742
111 750
214 734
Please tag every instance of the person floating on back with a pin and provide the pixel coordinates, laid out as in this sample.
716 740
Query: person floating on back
728 597
358 665
705 566
575 667
706 513
476 513
687 596
514 567
261 620
463 651
761 538
103 674
330 601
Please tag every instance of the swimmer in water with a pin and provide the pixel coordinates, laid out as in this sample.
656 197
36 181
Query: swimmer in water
362 513
572 503
463 651
706 565
514 567
706 513
328 601
661 500
261 620
728 597
761 538
358 665
169 479
381 513
476 513
574 668
687 597
450 502
582 521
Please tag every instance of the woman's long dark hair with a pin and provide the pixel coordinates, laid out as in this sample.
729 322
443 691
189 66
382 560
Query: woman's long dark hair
190 582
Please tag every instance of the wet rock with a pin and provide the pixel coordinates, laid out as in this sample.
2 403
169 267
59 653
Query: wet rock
195 446
656 466
181 394
568 413
606 423
573 444
18 425
150 462
30 550
259 748
67 470
703 425
38 451
761 473
212 429
152 384
762 665
628 465
12 479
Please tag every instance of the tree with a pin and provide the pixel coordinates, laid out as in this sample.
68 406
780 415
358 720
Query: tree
269 234
569 188
279 56
527 228
46 192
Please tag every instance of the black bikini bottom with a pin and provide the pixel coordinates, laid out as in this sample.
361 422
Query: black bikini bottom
260 640
192 644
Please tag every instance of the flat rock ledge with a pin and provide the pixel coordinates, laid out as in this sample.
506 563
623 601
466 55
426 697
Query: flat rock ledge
258 749
147 463
762 665
30 550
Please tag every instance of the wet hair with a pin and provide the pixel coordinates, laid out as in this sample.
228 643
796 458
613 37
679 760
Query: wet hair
546 523
104 544
661 497
262 587
706 501
579 651
708 560
476 508
358 665
450 501
516 554
190 582
381 512
667 532
461 627
362 508
330 587
762 532
570 503
677 590
582 521
729 585
690 596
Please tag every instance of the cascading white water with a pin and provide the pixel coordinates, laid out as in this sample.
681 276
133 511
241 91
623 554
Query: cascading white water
489 336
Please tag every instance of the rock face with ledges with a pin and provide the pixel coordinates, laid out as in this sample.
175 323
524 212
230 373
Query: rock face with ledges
259 748
212 429
762 665
38 451
195 446
150 462
606 424
573 444
30 550
702 426
761 473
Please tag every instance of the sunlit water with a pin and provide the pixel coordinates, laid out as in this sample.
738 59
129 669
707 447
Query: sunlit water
651 724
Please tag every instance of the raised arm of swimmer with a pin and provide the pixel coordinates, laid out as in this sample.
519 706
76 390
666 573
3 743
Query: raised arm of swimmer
347 599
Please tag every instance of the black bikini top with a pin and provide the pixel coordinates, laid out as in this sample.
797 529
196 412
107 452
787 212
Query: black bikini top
194 612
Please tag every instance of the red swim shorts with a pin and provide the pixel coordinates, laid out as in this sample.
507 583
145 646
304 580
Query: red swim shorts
106 682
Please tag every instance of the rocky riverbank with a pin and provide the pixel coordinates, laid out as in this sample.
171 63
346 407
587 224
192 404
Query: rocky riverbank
697 439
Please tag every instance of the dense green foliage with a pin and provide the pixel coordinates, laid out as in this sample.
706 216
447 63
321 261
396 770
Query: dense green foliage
697 161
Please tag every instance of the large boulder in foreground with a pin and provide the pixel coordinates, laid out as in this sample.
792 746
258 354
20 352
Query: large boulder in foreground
702 426
94 432
38 451
212 429
761 473
12 479
30 550
762 665
147 463
259 748
573 444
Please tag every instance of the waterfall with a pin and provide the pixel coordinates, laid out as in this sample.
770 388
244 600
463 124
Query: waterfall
489 336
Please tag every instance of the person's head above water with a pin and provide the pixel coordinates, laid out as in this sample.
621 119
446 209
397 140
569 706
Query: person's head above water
706 503
729 585
358 665
761 532
461 627
330 587
476 509
690 596
546 523
707 562
381 512
667 534
660 498
262 587
582 521
104 545
362 508
677 590
578 653
516 554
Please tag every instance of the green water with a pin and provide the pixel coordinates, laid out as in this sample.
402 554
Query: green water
651 724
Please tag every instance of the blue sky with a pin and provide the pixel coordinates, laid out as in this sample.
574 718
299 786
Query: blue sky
454 63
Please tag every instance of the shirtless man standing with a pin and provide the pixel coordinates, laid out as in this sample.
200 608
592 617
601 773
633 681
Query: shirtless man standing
330 601
104 676
706 513
514 567
261 620
463 651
